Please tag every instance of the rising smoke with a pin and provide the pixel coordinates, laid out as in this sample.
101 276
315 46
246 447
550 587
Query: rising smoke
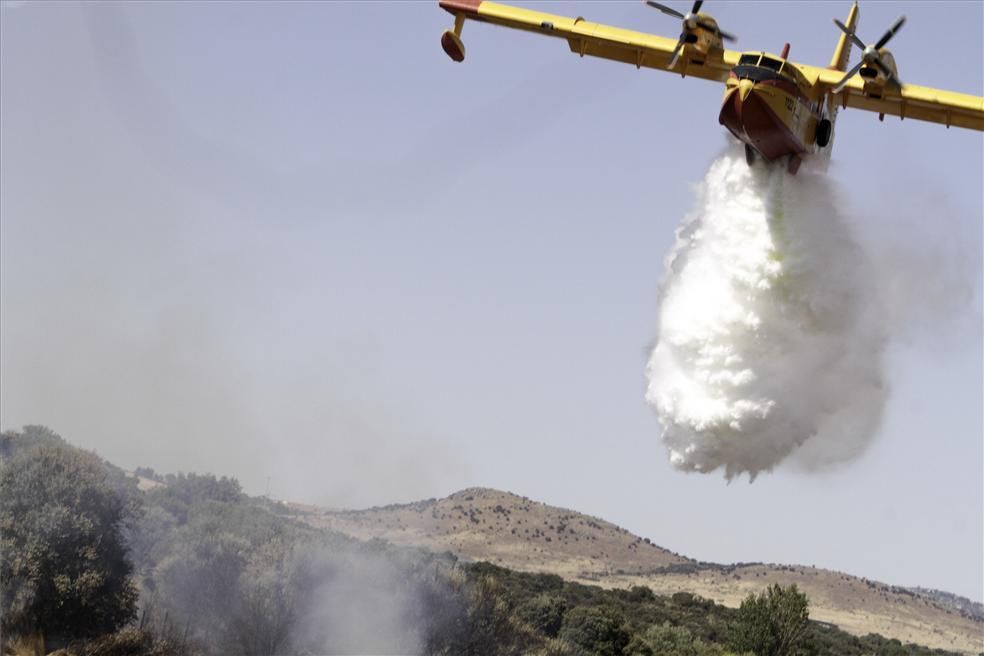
770 336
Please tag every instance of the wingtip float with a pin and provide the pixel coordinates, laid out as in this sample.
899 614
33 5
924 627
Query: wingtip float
781 110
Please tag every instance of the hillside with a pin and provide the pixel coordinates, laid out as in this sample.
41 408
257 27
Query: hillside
525 535
484 524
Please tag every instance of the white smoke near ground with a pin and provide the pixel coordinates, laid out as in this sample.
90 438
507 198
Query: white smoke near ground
359 602
770 335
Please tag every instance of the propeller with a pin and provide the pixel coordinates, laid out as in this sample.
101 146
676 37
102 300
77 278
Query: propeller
691 21
869 53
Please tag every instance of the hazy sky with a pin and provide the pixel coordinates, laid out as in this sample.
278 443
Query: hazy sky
294 243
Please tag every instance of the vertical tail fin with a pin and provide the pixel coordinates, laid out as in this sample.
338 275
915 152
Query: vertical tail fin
842 53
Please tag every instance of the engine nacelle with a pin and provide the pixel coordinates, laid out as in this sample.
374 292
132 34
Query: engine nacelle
874 77
704 40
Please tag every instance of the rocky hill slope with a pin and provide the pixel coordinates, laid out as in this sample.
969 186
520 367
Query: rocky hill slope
521 534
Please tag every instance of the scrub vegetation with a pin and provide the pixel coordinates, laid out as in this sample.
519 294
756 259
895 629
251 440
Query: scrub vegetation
93 566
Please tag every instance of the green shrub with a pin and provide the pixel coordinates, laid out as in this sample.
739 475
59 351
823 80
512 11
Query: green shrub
544 613
600 631
773 623
63 563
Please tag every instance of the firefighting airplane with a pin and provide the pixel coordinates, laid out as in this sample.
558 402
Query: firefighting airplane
780 109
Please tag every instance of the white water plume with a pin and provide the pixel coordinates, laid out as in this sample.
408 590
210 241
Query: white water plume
770 337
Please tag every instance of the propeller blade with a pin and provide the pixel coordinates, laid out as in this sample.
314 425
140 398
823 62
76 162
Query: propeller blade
716 30
851 73
676 14
890 33
666 10
677 50
854 39
887 71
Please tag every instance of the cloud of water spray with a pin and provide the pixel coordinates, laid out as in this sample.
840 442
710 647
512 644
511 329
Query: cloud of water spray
770 338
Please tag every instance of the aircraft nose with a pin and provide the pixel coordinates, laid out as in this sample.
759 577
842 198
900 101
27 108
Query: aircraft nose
744 88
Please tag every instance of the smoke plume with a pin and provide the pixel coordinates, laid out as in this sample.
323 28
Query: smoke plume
770 336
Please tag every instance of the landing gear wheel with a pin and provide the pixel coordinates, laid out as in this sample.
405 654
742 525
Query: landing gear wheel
823 133
453 46
749 154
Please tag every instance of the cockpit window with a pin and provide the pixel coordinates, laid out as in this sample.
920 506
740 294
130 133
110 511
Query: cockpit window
771 63
748 60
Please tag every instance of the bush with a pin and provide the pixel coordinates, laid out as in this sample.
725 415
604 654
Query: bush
544 613
599 631
667 640
131 642
640 594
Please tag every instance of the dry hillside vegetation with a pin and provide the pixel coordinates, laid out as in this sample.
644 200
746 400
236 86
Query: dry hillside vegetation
521 534
505 529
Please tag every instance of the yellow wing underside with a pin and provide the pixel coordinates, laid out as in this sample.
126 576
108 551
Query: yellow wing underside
650 51
598 40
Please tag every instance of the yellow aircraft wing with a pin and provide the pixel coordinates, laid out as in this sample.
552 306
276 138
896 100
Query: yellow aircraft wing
595 39
909 101
912 101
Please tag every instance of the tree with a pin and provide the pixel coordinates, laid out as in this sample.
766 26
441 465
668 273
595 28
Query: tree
599 631
186 491
265 611
200 581
772 623
12 442
63 564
